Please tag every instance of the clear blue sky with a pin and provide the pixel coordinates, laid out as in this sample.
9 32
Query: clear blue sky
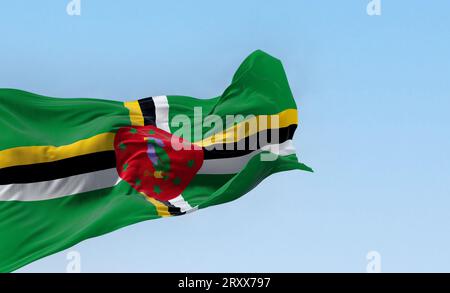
374 100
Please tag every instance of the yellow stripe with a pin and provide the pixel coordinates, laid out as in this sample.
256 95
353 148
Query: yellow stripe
42 154
163 210
136 117
242 129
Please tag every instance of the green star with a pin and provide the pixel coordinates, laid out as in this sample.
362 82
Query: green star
133 130
190 163
138 182
157 189
125 167
151 131
177 181
122 146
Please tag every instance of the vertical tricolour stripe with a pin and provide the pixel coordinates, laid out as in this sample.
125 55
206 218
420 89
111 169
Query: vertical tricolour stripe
136 117
161 209
155 111
162 122
148 110
162 112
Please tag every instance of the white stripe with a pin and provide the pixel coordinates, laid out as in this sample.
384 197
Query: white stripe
162 112
184 206
60 187
234 165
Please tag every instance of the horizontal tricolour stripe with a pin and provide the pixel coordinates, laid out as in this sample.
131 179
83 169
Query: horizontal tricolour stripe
249 143
86 182
58 169
252 126
68 170
41 154
60 187
234 165
55 170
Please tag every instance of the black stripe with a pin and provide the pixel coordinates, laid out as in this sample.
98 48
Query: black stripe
173 210
231 150
58 169
148 110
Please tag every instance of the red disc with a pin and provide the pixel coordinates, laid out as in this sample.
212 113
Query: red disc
154 162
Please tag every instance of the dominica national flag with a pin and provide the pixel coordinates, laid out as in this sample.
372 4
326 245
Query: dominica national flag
73 169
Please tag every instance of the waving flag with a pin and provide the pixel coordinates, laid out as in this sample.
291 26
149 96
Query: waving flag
72 169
